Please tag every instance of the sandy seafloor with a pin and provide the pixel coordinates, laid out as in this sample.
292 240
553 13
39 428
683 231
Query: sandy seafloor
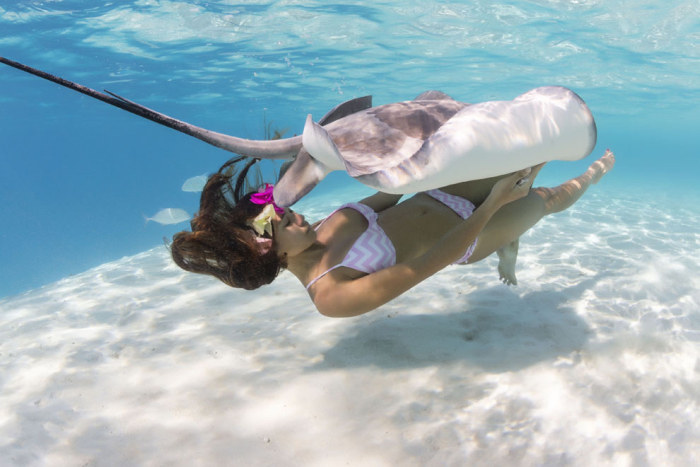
594 359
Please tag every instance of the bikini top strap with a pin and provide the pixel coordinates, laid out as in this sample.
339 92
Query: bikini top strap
359 207
314 280
365 210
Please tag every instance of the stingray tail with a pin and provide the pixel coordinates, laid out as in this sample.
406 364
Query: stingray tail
109 98
275 149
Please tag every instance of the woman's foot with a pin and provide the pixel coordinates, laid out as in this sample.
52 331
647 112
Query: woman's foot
601 166
561 197
507 257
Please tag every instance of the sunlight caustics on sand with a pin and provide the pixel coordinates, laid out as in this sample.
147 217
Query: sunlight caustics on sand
594 359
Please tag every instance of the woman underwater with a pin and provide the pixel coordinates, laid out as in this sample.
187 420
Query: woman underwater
368 253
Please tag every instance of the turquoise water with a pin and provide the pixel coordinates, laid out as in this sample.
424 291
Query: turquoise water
77 177
119 357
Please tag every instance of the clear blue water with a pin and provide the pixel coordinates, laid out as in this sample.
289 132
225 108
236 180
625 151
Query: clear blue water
77 176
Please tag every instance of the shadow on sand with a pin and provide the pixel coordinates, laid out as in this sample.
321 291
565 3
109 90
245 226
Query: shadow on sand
497 331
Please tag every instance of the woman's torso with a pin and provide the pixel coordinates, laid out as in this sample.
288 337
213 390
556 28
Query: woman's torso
413 227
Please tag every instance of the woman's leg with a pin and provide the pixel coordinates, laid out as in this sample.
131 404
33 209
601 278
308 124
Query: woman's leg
514 219
475 191
559 198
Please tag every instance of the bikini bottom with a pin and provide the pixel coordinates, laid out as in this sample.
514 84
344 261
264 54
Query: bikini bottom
463 208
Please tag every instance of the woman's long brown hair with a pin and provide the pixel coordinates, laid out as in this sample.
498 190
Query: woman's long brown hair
221 244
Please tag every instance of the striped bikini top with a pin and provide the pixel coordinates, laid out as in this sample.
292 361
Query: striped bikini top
371 252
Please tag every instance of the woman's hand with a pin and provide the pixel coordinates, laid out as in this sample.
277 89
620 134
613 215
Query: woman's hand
513 187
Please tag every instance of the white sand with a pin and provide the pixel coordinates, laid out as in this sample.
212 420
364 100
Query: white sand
593 360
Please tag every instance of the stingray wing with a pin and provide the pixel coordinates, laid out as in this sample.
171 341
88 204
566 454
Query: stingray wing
385 136
433 95
494 138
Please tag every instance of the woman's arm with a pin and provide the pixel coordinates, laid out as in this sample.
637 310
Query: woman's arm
381 201
358 296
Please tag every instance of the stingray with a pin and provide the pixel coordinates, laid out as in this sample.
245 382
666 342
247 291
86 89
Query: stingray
428 142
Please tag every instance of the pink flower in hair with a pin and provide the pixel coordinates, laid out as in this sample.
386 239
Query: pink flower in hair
264 196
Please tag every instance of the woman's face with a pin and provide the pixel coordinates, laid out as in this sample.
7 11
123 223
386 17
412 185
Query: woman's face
292 233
